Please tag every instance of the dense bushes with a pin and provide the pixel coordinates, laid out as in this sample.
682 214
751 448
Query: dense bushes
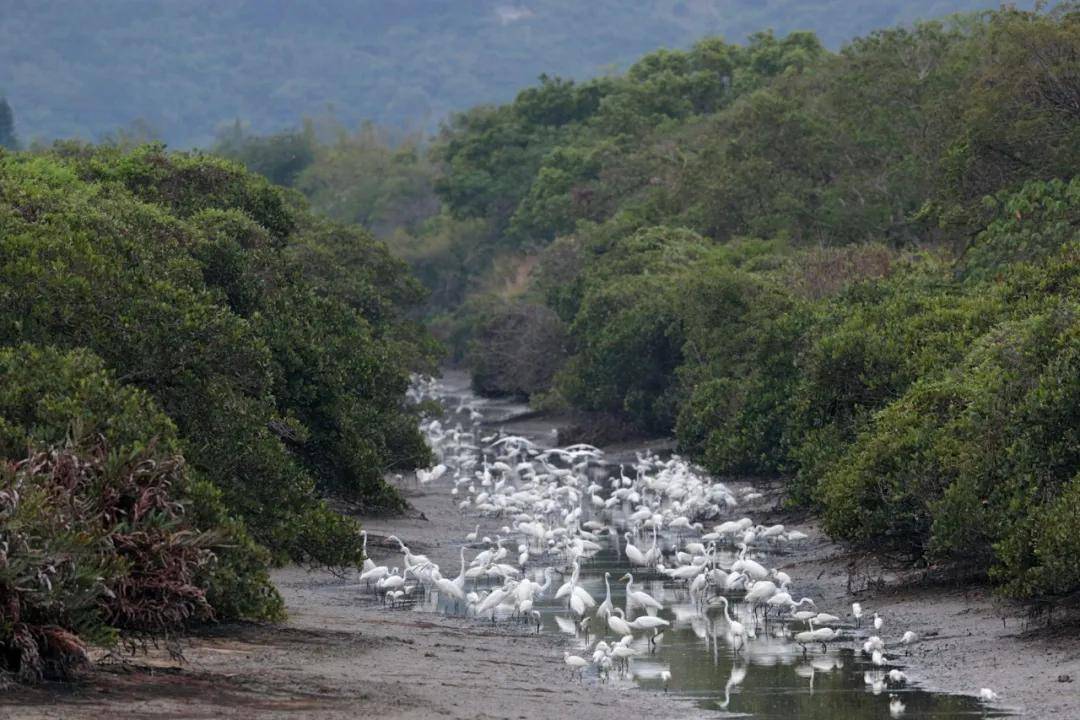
744 333
517 350
93 543
50 398
628 324
215 321
629 350
963 468
176 328
87 265
855 270
109 530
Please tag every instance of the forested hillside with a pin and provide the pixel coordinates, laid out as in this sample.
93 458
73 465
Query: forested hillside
190 364
85 69
856 270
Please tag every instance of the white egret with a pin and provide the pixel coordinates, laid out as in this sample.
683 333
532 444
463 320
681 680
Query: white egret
735 628
369 564
639 597
633 554
604 610
576 663
617 622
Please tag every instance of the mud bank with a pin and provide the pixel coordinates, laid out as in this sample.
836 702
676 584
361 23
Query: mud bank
969 639
342 655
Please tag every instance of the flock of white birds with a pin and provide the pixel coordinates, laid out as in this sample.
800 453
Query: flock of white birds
558 507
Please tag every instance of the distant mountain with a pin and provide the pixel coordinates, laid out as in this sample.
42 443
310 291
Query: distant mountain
182 67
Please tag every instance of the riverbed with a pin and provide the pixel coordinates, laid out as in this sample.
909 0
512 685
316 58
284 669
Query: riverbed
342 654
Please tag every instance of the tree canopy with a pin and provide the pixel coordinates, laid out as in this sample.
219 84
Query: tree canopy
850 269
190 365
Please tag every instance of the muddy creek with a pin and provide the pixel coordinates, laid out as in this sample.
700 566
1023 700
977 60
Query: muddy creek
764 673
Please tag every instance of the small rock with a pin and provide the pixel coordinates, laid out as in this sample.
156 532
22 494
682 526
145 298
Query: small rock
1064 678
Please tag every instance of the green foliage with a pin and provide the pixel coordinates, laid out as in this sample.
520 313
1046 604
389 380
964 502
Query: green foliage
189 277
873 342
537 166
963 468
346 390
279 158
49 398
630 346
1029 224
188 184
558 195
628 328
363 177
110 532
858 270
1018 116
1048 568
491 156
971 465
347 264
744 335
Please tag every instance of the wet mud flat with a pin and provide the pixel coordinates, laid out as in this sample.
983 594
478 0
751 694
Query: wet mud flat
968 638
342 654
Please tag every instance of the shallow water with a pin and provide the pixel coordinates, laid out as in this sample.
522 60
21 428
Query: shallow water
769 677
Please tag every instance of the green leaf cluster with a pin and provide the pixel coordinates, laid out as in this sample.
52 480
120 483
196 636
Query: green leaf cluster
177 301
855 270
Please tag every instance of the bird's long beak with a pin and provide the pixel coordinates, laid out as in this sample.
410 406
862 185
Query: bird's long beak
624 577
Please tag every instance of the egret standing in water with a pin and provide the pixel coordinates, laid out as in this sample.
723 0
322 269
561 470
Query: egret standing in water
543 495
604 610
617 622
735 628
635 556
639 597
